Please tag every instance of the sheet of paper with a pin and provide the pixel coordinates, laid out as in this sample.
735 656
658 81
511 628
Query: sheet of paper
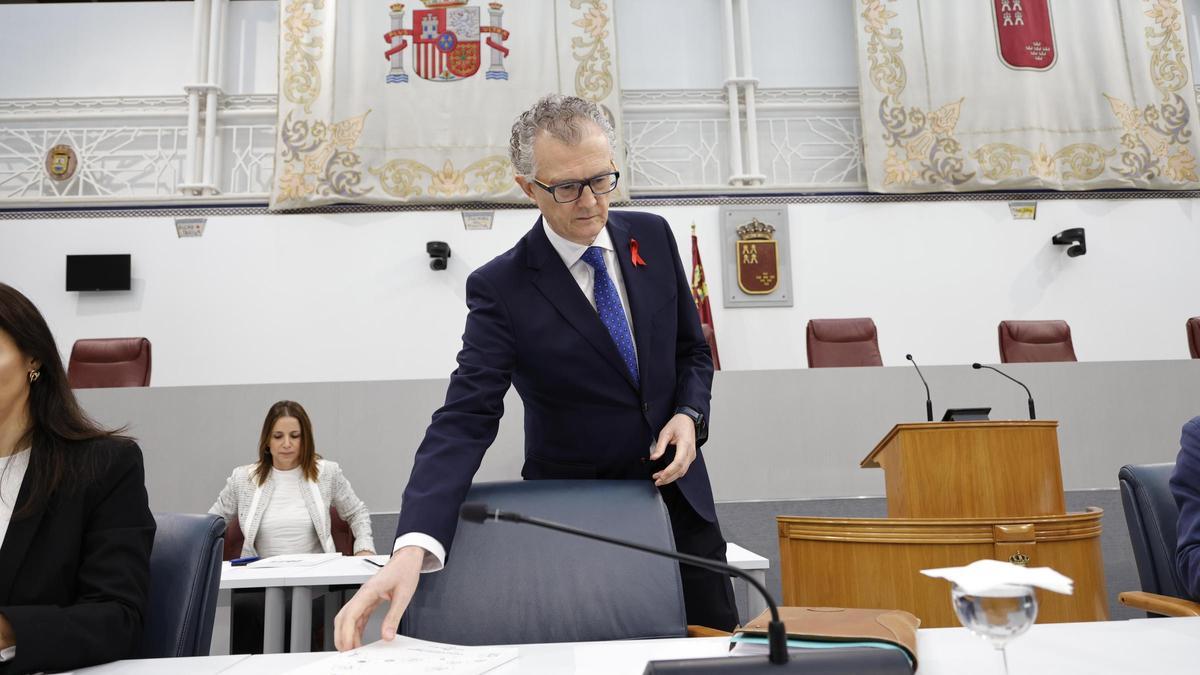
409 655
984 575
296 560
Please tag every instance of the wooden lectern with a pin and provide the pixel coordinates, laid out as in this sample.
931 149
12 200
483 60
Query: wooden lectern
956 492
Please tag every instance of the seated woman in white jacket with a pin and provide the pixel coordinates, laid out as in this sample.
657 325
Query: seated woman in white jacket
282 501
282 505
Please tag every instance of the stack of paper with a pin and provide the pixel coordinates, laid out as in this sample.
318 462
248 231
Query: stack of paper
295 560
409 655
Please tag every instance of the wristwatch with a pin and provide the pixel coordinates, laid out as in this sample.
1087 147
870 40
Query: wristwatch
697 418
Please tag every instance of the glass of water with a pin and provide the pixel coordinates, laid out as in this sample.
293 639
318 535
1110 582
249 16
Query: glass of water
998 615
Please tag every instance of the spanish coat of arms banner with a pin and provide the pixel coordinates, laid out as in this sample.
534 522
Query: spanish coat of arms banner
379 102
961 95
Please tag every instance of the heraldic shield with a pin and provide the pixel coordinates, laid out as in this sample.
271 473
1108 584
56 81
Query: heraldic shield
446 43
757 258
1024 34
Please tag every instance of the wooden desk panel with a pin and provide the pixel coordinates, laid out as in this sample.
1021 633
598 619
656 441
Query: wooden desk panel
876 562
971 469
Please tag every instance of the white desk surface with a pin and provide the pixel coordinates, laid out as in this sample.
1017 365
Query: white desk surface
349 570
743 559
581 658
194 665
344 570
1099 648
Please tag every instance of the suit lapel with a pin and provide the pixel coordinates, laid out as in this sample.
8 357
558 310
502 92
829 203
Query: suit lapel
18 537
555 282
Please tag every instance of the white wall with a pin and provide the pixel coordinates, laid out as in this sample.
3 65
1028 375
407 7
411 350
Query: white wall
298 298
345 297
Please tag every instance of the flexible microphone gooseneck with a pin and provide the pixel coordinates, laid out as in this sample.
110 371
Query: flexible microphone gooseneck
476 512
1032 414
928 400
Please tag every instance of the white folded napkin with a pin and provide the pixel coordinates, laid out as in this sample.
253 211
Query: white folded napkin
982 576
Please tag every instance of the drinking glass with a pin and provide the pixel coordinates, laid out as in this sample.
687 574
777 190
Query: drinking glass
997 615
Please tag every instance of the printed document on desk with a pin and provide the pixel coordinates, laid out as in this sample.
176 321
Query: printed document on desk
405 654
295 560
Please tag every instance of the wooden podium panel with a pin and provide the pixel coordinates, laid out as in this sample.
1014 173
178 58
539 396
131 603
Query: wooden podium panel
971 469
876 562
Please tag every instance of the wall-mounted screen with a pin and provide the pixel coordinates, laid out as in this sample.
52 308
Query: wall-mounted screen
98 272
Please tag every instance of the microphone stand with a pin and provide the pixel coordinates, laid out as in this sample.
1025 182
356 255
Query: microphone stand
776 635
928 398
1032 414
814 662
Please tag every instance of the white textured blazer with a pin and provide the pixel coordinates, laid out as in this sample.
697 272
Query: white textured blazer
241 497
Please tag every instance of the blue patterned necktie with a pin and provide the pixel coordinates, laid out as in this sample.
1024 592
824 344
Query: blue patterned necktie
608 304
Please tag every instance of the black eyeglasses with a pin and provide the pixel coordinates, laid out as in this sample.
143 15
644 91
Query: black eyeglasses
565 193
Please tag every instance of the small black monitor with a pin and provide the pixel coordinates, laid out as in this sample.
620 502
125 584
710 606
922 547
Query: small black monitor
98 272
965 414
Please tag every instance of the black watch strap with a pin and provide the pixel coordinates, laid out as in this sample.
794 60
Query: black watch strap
697 418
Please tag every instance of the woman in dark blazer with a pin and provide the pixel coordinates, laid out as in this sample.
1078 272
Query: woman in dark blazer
74 518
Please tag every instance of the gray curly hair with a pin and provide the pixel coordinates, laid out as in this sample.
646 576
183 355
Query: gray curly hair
561 117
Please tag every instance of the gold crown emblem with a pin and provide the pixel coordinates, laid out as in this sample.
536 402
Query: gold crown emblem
755 229
438 4
1019 558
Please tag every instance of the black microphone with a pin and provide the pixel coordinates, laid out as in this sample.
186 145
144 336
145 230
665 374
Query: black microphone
476 512
928 400
1032 415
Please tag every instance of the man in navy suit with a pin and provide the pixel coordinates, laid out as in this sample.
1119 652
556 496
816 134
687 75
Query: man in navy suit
590 316
1185 485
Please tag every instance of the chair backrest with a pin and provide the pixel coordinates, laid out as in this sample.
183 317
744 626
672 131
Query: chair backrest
837 343
1193 331
343 537
1035 341
109 362
509 583
185 575
1151 514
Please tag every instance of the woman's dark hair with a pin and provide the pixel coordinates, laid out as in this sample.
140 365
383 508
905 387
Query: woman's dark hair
55 416
308 448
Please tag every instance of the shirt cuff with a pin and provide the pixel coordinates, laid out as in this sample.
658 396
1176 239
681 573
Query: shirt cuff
435 553
8 653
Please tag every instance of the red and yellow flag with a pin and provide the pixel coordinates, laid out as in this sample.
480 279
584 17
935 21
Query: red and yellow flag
700 295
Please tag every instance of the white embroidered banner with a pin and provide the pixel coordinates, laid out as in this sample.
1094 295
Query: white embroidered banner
379 102
1019 94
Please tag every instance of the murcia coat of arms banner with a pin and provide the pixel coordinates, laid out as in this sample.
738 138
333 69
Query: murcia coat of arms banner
1026 94
382 102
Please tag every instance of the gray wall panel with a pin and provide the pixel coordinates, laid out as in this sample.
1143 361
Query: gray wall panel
776 435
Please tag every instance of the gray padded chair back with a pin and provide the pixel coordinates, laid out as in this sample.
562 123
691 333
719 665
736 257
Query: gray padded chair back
185 575
1151 514
511 583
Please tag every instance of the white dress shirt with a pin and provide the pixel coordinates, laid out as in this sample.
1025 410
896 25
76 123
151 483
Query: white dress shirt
12 474
572 256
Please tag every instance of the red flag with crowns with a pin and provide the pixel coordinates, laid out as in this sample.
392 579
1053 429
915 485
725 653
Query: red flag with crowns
700 295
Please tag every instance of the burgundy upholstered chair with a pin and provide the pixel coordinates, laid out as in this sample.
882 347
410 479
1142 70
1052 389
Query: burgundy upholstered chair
343 538
836 343
1035 341
109 362
1193 331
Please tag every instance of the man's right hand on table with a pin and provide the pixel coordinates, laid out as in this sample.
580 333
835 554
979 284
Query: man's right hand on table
396 582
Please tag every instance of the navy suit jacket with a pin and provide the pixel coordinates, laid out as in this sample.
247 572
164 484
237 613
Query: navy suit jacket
1185 485
530 326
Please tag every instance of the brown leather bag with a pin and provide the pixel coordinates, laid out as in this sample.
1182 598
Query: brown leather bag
840 624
